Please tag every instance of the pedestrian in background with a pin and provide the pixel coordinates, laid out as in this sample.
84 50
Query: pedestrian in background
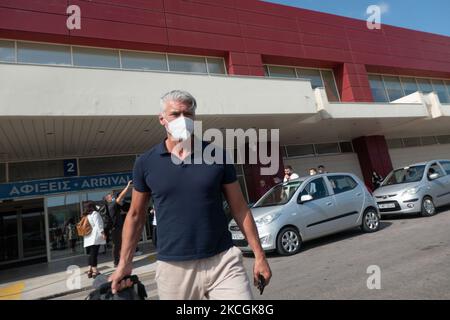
263 187
321 169
289 174
95 238
376 180
117 215
72 236
312 171
276 180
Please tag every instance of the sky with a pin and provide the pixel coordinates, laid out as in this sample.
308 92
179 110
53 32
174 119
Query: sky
424 15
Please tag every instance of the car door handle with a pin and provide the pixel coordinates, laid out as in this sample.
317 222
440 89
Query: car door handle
358 194
329 204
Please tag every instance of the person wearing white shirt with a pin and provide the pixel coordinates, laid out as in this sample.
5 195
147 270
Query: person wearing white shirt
95 238
289 174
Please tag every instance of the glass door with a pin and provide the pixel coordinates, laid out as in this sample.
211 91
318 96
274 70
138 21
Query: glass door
63 214
9 236
33 232
22 231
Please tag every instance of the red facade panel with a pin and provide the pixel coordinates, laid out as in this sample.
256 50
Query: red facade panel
187 23
260 31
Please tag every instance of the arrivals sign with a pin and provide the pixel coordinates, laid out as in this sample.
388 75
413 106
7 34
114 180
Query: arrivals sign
61 185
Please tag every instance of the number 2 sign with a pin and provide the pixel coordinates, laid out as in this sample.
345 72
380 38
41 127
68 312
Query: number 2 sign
70 168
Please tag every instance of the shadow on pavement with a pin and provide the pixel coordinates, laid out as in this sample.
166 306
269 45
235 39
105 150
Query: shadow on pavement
394 217
323 241
47 268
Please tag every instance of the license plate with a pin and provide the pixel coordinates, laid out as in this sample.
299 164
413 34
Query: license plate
237 236
386 205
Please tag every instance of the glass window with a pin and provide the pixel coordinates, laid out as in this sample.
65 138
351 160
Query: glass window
409 85
346 147
316 188
2 172
425 85
92 57
95 166
326 148
312 75
443 139
282 72
23 171
300 150
216 66
435 168
427 141
446 165
278 195
42 53
411 142
405 175
143 61
441 91
266 71
283 152
7 51
64 213
330 86
342 183
393 87
447 84
187 64
394 143
377 87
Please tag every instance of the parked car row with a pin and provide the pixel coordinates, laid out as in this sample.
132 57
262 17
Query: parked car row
315 206
418 188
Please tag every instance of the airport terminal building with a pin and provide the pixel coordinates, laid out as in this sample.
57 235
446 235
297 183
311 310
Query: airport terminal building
78 106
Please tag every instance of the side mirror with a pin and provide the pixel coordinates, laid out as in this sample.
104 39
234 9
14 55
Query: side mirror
305 198
433 176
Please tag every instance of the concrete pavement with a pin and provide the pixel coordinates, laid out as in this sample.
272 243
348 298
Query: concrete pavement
413 255
51 280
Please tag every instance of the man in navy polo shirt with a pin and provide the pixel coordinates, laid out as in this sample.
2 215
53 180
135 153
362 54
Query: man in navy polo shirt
196 256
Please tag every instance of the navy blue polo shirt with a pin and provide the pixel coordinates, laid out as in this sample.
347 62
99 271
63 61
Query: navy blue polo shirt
188 202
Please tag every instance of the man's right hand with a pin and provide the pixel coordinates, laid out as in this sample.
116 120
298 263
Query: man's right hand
116 278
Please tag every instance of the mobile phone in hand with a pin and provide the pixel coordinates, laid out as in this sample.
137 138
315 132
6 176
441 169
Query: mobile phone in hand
261 284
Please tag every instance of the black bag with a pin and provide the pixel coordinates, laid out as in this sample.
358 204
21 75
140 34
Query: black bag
104 291
104 213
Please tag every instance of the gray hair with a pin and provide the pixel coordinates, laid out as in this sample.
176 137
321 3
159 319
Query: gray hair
179 96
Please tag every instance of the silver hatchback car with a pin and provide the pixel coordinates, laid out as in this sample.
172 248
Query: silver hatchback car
308 208
418 188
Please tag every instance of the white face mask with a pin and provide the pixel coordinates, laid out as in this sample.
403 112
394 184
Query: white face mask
181 128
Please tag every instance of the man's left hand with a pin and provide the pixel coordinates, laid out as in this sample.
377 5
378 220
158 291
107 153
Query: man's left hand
261 267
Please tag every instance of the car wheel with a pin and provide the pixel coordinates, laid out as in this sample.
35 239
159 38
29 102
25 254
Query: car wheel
428 208
371 220
288 241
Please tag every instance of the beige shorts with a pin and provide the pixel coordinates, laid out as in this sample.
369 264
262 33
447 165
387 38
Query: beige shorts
221 277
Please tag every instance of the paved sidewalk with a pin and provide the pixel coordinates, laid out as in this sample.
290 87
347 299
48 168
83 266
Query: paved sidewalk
49 280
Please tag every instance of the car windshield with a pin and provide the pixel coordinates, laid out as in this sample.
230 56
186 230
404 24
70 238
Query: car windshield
278 195
405 175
